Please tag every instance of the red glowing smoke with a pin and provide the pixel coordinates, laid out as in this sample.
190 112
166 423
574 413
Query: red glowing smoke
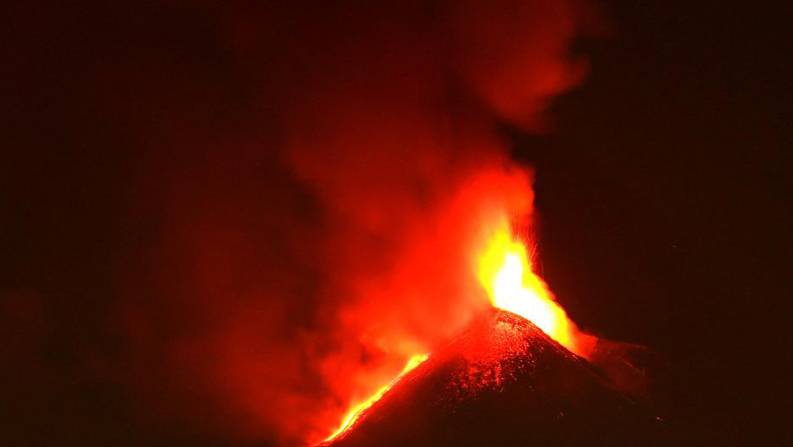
296 265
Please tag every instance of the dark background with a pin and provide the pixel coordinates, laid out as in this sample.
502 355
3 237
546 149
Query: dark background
663 190
664 197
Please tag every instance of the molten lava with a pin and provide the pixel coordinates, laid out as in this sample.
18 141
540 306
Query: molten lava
506 272
357 410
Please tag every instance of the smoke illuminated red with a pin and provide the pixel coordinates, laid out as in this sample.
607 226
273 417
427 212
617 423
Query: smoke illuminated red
295 265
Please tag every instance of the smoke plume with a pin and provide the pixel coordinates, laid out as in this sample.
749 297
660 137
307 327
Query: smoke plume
307 222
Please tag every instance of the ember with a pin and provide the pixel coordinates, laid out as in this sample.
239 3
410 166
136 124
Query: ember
368 220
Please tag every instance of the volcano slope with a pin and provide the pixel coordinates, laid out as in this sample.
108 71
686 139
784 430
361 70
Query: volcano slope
503 382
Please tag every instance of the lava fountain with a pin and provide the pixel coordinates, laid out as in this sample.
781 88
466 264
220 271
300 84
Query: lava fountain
506 272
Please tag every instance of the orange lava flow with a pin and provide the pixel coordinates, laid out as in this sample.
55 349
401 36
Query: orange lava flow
358 409
505 271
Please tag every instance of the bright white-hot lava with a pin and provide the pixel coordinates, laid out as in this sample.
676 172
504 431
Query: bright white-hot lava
506 272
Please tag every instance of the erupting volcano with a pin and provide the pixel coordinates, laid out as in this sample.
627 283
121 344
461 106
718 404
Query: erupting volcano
503 382
520 361
373 214
393 223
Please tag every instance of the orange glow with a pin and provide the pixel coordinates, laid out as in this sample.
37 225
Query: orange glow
358 409
506 272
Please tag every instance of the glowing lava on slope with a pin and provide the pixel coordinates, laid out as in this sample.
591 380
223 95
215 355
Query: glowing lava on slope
505 272
356 411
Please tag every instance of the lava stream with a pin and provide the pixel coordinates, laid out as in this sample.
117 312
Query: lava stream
356 411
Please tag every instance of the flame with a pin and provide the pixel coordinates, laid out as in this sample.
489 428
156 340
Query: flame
358 409
506 272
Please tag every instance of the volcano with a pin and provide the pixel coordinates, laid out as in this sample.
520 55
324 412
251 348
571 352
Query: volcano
504 382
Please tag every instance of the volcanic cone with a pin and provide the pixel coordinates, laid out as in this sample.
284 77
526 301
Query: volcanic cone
503 382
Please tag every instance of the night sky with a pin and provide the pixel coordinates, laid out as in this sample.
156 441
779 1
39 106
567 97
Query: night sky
662 189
